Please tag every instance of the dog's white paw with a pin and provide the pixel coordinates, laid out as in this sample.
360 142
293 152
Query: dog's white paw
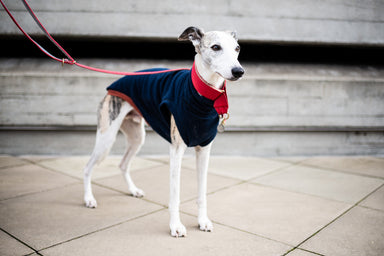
136 192
178 229
90 202
205 224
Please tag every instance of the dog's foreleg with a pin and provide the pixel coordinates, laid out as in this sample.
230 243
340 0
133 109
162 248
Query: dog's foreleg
202 161
177 150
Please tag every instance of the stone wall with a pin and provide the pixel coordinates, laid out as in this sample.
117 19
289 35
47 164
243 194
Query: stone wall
305 21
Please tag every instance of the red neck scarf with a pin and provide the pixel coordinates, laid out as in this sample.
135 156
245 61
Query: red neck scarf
208 91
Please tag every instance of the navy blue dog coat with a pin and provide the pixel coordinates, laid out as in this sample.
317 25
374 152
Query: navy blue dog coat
195 105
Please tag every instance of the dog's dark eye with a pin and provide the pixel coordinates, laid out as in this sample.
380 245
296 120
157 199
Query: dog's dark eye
237 48
216 47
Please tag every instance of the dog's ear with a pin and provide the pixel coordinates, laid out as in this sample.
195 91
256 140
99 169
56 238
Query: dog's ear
233 34
192 34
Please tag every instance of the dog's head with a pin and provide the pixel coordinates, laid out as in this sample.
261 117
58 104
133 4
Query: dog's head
218 49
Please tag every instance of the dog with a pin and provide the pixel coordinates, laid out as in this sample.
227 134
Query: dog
185 110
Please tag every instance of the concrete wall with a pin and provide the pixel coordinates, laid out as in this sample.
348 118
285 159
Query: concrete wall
352 22
273 96
277 109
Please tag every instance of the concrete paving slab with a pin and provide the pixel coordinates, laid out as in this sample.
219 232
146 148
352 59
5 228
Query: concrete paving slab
25 179
372 166
243 168
55 216
357 233
376 200
74 166
155 183
8 161
149 235
44 208
10 246
280 215
333 185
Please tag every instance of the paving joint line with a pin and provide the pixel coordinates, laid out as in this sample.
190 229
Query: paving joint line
215 191
342 171
56 171
214 174
40 191
247 180
31 161
302 162
241 230
27 162
125 193
374 191
38 163
158 161
166 206
274 171
100 230
297 192
335 219
301 249
239 182
22 242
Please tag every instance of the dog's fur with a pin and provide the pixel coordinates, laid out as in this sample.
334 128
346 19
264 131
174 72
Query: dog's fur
216 61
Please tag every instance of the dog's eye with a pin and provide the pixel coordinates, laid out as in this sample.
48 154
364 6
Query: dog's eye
216 47
237 48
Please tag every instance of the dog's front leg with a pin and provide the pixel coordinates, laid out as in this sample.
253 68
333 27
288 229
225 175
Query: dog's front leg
177 150
202 160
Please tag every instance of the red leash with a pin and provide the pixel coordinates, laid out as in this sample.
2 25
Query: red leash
69 60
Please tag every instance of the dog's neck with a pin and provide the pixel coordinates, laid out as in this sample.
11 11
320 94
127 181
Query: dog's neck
212 78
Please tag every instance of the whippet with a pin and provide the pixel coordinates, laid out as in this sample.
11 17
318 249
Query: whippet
183 106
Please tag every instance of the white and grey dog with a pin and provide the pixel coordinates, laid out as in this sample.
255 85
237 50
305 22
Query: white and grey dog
216 60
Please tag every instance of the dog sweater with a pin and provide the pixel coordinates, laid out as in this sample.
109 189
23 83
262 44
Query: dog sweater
195 105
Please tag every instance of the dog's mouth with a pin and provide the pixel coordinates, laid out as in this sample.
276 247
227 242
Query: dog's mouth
233 79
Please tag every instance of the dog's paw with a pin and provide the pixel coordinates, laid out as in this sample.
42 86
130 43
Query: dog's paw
90 202
205 224
136 192
178 229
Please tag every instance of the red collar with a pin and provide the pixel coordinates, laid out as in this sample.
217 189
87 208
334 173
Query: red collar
208 91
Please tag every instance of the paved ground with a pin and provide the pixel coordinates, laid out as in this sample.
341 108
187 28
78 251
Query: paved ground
259 206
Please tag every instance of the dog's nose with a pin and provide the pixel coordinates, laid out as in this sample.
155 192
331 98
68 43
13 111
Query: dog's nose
237 72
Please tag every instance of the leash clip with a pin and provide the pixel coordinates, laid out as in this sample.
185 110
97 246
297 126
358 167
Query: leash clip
224 118
67 61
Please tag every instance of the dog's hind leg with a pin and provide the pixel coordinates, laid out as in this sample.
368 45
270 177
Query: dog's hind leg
112 112
134 132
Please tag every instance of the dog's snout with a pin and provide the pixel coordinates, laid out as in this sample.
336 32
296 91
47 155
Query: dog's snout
237 72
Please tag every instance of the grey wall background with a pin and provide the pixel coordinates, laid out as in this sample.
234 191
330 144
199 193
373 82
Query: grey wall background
315 21
277 109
